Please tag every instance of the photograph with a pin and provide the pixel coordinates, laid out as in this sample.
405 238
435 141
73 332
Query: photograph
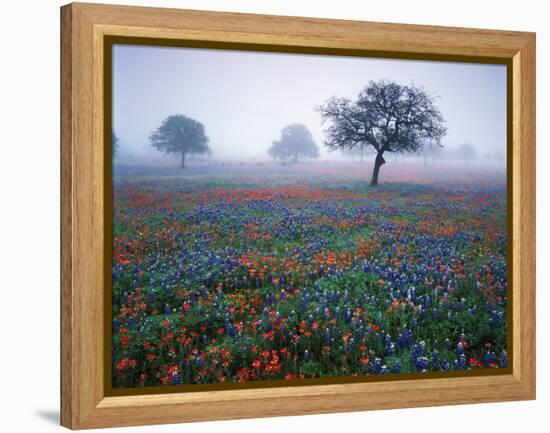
268 216
280 217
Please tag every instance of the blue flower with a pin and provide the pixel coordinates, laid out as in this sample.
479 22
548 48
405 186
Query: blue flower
460 362
504 359
176 378
405 339
396 367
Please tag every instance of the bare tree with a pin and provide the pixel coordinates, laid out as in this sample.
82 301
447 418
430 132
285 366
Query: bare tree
387 116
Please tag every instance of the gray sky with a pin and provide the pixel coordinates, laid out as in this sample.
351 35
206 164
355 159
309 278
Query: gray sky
244 99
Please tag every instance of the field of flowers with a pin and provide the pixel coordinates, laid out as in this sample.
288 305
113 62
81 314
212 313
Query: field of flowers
245 278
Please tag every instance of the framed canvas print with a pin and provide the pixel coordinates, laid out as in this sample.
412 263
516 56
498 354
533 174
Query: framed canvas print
270 216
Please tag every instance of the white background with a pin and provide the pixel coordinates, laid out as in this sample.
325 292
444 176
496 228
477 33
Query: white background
29 171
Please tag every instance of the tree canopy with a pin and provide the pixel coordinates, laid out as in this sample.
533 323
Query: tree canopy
387 116
467 152
296 142
181 135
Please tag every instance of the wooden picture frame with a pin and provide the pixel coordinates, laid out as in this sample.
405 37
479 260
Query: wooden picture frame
84 189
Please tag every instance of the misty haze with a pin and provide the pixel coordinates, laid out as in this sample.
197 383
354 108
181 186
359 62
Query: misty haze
289 216
245 99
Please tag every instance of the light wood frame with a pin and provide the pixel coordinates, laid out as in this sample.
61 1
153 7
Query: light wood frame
83 400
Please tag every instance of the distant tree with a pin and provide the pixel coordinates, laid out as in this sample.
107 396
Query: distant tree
360 150
114 143
436 152
387 116
430 151
181 135
296 142
424 152
466 152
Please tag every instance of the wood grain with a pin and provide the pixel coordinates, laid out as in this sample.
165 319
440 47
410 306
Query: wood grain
67 388
524 215
84 26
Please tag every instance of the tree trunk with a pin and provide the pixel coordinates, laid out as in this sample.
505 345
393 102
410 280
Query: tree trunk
182 159
378 162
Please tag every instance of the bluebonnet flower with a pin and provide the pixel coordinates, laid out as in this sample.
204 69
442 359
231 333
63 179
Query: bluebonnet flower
375 367
328 337
405 339
460 362
116 325
421 363
176 378
208 281
489 359
396 367
230 329
497 317
389 346
347 315
504 359
436 362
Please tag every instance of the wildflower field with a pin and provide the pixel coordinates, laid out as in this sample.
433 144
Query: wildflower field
274 274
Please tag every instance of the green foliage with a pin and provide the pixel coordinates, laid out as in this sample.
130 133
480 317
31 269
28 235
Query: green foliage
296 142
180 134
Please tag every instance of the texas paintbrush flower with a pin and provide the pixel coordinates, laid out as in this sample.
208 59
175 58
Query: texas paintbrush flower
262 279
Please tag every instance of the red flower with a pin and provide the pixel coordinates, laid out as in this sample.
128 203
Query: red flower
121 366
476 363
125 340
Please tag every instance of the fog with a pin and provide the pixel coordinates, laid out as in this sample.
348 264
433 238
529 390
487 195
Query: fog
244 99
